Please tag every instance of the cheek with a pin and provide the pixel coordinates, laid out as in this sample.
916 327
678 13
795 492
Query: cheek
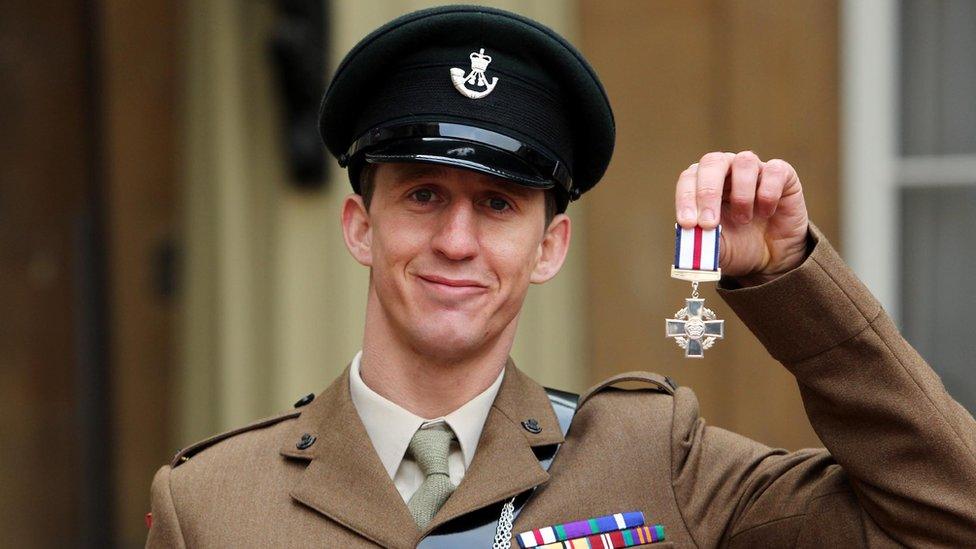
515 254
396 242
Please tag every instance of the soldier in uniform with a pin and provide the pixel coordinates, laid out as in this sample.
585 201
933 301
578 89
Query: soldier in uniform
466 131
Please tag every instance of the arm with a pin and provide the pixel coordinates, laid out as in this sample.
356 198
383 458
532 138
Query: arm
902 461
165 530
901 464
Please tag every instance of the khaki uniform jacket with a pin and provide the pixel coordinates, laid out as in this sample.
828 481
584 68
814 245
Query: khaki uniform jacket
901 466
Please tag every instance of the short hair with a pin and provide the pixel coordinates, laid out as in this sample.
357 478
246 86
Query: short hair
367 183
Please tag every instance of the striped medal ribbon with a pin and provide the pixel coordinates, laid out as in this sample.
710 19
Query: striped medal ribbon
574 534
630 537
694 327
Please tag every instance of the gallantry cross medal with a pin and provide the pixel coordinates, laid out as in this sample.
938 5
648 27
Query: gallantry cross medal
694 327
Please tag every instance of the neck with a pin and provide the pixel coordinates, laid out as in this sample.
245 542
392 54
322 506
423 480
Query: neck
425 383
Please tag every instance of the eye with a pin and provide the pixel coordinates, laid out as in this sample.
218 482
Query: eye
422 195
498 204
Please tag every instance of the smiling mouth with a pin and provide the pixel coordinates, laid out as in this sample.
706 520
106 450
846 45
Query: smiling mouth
451 291
452 282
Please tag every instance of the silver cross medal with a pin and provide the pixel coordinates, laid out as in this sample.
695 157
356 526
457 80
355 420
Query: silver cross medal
694 327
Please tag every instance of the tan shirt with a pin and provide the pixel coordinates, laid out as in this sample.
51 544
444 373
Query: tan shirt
390 428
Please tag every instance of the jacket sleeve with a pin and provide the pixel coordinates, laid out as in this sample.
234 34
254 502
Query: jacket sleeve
901 465
165 531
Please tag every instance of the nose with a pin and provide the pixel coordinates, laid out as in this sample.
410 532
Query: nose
456 238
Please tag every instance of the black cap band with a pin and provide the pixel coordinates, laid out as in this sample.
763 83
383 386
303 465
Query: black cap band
543 170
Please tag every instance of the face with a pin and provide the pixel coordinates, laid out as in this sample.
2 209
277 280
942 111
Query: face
452 253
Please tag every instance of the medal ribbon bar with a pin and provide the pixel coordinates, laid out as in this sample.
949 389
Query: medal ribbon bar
580 529
612 540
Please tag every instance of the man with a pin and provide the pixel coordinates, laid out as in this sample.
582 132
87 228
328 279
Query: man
466 132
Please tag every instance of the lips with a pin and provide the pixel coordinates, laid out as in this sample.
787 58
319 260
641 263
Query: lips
452 292
452 282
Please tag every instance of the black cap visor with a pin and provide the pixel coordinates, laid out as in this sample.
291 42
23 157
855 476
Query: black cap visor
465 147
461 154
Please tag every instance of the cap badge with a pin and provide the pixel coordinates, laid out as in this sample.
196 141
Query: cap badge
476 78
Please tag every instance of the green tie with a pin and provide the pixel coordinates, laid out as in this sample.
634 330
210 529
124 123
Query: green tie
429 447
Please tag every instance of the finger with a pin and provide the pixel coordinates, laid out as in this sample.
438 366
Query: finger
772 180
745 178
712 170
685 205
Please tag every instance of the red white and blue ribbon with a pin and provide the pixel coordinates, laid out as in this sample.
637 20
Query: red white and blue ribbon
696 249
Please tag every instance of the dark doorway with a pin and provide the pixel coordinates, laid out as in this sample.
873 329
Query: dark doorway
87 251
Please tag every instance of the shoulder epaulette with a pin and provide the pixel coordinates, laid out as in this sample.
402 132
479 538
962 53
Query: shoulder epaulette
186 453
657 382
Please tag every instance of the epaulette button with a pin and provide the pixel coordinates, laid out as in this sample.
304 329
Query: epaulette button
306 441
532 425
305 400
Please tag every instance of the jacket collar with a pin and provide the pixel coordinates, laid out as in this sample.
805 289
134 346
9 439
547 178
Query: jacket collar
346 481
505 464
391 427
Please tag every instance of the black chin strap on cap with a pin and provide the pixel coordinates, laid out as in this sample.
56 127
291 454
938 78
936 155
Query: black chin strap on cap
430 142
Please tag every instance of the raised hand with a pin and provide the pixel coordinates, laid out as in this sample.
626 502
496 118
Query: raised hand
760 206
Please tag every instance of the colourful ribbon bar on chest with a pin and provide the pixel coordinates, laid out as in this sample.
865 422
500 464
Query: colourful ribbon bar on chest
612 540
580 529
696 249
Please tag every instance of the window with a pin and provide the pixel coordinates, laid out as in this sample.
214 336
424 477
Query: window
935 181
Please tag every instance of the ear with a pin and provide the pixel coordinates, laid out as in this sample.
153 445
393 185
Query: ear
356 229
552 249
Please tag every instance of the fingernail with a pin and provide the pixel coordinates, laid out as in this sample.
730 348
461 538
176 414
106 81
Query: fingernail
687 214
707 215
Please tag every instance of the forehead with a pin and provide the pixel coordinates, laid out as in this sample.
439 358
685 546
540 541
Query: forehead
403 173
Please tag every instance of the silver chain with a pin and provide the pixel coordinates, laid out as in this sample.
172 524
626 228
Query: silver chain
503 534
694 290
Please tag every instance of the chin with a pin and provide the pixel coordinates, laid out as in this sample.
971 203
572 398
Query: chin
449 344
449 338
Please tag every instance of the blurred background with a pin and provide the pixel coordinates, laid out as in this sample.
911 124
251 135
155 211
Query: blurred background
170 254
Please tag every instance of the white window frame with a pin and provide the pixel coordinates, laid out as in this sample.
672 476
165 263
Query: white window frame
873 171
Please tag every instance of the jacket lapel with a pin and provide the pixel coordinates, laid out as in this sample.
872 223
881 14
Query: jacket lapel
345 479
505 464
